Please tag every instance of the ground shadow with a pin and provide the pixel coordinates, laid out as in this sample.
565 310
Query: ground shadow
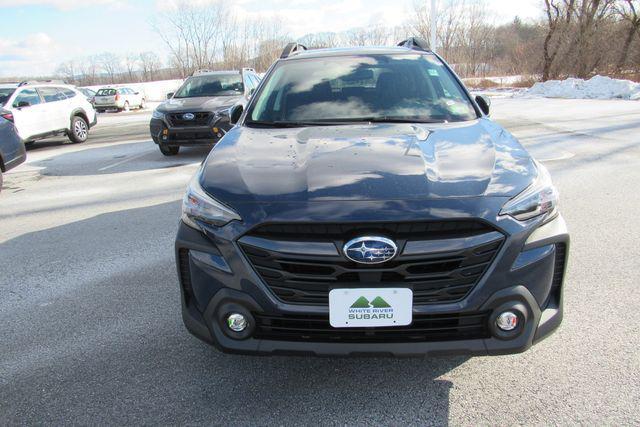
99 339
111 159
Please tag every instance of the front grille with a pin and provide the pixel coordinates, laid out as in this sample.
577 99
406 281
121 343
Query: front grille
434 277
424 328
200 119
397 230
183 136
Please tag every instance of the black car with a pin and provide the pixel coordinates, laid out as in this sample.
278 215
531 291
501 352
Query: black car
198 113
12 151
365 203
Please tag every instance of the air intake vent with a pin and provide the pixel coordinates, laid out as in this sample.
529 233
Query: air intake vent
424 328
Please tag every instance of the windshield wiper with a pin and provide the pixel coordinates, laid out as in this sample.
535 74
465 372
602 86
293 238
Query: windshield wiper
390 119
287 124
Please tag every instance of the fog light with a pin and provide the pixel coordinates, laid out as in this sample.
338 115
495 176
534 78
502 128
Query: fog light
165 131
237 322
507 321
215 130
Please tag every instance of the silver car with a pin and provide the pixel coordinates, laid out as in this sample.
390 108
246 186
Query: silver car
121 99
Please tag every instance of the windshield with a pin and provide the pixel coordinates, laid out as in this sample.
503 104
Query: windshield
5 94
404 87
211 85
106 92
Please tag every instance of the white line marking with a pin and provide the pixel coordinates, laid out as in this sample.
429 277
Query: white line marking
128 159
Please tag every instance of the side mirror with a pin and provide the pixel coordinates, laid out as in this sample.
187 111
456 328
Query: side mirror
235 114
170 95
484 103
136 93
252 91
23 104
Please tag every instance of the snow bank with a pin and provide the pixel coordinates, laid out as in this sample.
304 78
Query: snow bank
154 91
597 87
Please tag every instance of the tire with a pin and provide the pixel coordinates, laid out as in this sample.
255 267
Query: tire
126 106
142 104
79 131
169 151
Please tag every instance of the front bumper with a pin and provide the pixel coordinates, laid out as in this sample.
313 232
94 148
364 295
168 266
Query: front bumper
187 135
526 275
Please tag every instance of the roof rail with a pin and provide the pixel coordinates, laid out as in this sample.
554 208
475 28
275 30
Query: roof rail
203 71
292 48
415 43
38 82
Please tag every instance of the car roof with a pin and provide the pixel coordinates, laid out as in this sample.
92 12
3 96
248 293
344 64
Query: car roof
36 85
355 51
208 73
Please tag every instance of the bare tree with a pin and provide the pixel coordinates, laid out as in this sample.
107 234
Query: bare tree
89 70
559 14
132 61
192 32
149 64
629 12
109 64
67 71
449 23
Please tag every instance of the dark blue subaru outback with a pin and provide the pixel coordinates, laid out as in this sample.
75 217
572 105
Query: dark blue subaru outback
364 203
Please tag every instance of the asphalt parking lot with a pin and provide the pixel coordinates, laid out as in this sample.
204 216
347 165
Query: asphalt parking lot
89 305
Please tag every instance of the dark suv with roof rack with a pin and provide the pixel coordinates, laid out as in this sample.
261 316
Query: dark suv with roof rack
198 112
365 203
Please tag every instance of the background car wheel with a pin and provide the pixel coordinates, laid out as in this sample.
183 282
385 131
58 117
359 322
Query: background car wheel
79 130
169 151
143 104
126 106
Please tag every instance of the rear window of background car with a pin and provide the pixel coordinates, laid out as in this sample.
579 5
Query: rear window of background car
27 95
52 94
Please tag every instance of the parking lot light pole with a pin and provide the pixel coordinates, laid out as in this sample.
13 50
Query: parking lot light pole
433 24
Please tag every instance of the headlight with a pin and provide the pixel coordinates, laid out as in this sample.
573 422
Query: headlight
539 198
157 115
225 112
198 206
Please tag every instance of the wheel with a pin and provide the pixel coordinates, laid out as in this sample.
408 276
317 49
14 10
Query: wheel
79 130
126 106
142 104
169 151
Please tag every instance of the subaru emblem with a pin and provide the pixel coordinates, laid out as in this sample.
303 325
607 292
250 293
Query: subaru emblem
370 250
188 116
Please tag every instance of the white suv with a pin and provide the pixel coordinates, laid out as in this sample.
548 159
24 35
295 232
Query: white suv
43 109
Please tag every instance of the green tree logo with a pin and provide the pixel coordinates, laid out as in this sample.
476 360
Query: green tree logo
361 302
378 302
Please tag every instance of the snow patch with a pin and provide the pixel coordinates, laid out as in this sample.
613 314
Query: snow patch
597 87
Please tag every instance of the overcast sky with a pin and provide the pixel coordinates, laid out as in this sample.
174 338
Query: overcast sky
36 35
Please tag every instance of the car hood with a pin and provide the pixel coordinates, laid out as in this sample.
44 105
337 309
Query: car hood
197 104
367 162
